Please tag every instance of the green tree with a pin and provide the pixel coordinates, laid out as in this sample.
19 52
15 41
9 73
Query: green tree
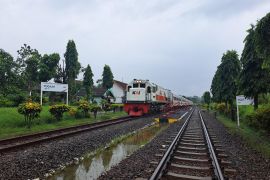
48 66
107 77
73 66
88 81
207 97
216 87
262 39
31 72
253 78
225 82
23 54
7 72
28 61
229 72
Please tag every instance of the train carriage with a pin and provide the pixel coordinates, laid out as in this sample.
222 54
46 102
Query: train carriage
144 97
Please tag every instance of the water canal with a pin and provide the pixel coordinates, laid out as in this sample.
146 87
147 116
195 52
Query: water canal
94 165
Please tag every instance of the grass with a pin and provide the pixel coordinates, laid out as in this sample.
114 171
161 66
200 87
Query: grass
253 138
12 123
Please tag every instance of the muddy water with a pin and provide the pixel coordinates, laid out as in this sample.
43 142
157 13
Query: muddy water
92 167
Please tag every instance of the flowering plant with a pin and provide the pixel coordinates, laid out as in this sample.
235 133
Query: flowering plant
30 110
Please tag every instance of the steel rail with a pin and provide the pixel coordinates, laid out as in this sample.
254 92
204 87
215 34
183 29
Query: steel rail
215 163
26 140
165 159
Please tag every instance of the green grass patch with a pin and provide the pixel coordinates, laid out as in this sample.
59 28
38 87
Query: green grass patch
256 139
12 123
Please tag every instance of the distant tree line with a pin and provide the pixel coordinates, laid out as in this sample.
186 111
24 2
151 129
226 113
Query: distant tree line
20 76
249 75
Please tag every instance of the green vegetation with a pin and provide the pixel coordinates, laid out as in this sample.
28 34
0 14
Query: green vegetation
88 81
258 140
249 76
12 123
107 77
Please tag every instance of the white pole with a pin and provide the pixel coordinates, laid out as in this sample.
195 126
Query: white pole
67 96
41 96
238 122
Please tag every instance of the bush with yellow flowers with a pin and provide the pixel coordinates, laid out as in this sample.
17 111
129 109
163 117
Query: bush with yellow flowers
58 110
30 110
85 107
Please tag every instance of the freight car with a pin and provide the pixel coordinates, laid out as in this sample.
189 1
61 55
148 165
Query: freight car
145 97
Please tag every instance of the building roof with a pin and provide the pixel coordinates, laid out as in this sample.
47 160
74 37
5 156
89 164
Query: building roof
121 84
97 92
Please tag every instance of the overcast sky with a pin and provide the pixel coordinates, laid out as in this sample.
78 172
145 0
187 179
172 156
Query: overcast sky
175 43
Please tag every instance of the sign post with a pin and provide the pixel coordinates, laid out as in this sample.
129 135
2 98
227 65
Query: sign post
241 101
53 87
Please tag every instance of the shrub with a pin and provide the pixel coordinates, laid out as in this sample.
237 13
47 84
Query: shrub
72 112
95 108
260 119
85 107
58 110
221 107
114 107
106 106
30 110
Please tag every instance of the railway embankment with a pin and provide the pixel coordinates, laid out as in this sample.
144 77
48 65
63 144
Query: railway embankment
249 163
40 159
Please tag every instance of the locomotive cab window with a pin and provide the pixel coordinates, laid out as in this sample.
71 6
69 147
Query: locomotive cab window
129 88
142 85
148 89
135 85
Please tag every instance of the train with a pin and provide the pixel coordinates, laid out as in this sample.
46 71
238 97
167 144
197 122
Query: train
144 97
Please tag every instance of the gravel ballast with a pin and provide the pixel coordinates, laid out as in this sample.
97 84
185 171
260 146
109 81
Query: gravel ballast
248 163
38 160
143 162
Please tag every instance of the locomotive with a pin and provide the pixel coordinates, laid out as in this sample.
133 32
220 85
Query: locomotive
143 97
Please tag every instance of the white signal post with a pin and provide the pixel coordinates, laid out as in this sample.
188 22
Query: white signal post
53 87
241 101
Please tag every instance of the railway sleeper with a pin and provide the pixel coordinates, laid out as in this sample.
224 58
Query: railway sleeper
203 154
193 144
172 175
192 161
192 141
186 148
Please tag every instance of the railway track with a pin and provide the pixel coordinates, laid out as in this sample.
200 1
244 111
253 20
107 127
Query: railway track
26 140
193 154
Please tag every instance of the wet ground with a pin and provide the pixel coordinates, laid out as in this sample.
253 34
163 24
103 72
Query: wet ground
94 165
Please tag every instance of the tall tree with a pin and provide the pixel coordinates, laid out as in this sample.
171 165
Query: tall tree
216 87
107 77
23 54
88 81
73 66
225 82
28 61
48 66
7 72
31 72
262 39
207 97
229 74
253 78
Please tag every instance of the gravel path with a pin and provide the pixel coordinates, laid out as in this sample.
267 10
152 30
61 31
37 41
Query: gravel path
143 162
248 163
35 161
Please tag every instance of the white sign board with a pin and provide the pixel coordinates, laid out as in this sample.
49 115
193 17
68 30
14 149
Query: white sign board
241 100
53 87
